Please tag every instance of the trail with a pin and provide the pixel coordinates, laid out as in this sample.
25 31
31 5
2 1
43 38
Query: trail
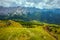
54 36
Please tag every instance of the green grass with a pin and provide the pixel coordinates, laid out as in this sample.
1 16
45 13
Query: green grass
13 33
34 32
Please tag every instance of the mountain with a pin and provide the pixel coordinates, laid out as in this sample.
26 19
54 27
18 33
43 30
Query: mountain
30 13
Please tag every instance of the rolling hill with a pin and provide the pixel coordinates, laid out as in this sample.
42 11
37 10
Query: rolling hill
16 31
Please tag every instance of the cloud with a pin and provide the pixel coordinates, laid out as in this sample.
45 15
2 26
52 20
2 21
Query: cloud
31 3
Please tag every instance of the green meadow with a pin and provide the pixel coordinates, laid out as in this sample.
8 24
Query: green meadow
33 30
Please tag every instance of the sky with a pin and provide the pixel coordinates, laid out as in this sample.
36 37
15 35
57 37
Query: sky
31 3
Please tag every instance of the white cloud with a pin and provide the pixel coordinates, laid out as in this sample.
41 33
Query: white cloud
29 4
32 3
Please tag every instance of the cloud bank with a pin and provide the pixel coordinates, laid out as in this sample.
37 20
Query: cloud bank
31 3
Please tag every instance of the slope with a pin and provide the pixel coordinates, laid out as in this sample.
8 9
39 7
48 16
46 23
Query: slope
12 32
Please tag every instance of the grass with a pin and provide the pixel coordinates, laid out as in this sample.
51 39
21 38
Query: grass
39 32
13 33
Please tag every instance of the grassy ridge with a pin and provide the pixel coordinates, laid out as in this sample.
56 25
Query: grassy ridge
24 34
12 30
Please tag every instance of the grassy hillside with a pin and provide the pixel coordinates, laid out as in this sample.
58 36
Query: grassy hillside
33 30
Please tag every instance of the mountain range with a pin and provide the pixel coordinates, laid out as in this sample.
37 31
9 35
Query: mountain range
30 13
